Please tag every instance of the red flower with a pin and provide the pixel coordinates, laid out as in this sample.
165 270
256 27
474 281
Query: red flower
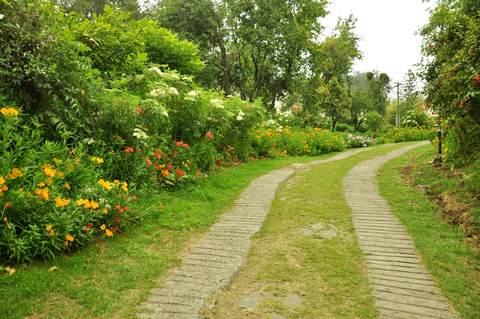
139 110
125 208
89 226
179 173
169 166
219 161
134 197
175 154
148 161
129 150
118 207
160 208
117 219
128 197
197 175
253 160
138 150
209 134
121 211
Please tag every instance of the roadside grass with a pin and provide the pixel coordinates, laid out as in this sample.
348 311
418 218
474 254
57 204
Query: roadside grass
110 277
329 274
452 258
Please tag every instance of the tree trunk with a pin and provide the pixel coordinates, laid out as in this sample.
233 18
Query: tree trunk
274 98
225 77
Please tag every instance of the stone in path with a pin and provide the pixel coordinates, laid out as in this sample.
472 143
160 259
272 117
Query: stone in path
251 301
402 287
275 315
293 300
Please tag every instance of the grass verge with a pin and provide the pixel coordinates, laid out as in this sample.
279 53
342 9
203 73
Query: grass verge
452 258
290 256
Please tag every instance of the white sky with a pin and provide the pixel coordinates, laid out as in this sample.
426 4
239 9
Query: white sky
387 28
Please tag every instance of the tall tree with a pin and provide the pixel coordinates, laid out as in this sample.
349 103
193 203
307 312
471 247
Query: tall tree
378 88
334 100
272 39
360 106
203 23
90 7
337 54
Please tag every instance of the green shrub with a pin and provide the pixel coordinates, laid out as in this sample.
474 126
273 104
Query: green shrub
373 120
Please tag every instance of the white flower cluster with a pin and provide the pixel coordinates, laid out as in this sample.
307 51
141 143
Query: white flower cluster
140 134
172 91
217 103
89 141
160 93
165 75
139 78
192 95
240 116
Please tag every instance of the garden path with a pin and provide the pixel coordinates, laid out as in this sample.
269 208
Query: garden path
403 289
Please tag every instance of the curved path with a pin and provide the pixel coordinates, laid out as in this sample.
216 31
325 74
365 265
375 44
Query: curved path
402 287
212 264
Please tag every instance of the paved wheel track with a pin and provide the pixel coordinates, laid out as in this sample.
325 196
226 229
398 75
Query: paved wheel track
402 287
212 264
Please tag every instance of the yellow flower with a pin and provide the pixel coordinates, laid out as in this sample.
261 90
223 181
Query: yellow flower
49 172
9 204
2 189
2 180
108 232
116 182
67 186
41 184
9 112
105 184
69 237
52 233
59 202
105 211
49 227
124 187
15 173
102 227
97 159
94 204
49 181
66 243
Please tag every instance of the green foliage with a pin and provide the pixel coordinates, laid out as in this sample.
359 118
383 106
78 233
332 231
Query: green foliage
334 100
51 195
378 88
41 67
360 106
374 121
451 44
415 118
116 43
90 8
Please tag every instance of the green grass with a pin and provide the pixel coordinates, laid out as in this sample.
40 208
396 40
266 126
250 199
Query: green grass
452 259
328 273
110 277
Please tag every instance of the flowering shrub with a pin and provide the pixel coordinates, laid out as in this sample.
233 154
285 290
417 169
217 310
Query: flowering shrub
282 141
353 141
53 198
407 134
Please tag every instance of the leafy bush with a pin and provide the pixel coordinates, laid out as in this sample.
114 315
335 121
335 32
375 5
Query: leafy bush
373 120
41 66
343 127
54 198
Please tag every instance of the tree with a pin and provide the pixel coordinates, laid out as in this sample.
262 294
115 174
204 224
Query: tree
378 88
89 7
271 40
203 23
337 54
360 106
452 48
334 100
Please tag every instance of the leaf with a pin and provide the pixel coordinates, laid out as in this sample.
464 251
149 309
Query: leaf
144 23
142 56
52 269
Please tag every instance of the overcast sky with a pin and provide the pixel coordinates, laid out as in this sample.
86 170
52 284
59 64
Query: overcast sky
387 28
